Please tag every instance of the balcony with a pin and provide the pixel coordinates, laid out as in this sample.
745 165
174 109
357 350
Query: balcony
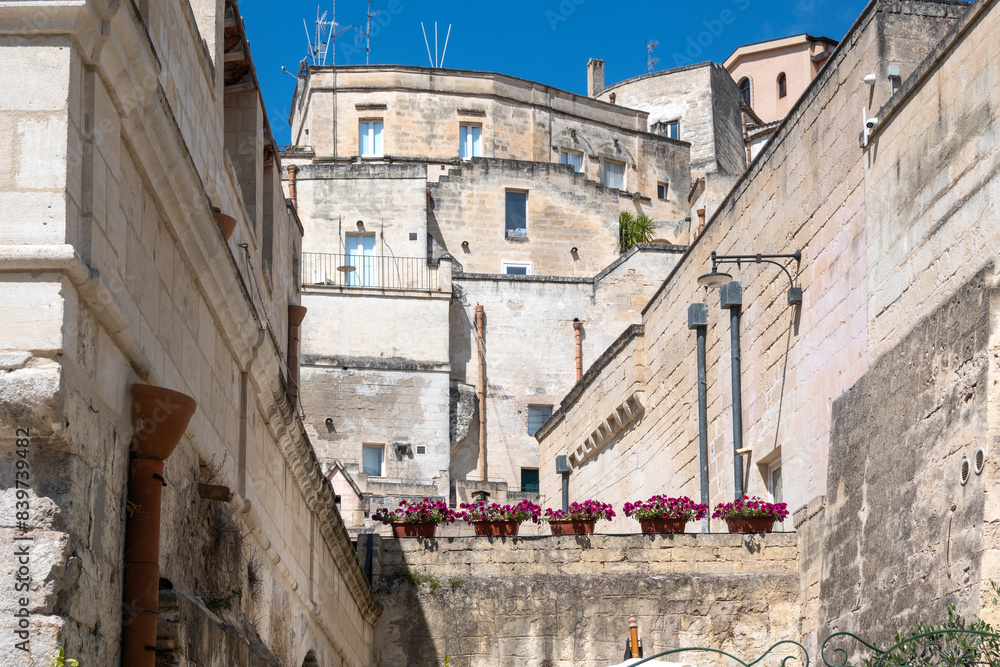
369 272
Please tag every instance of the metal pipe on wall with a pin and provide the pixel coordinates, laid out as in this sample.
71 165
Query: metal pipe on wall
732 299
578 331
698 320
481 391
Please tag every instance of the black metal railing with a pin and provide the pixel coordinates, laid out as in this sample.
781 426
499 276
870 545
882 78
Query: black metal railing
368 271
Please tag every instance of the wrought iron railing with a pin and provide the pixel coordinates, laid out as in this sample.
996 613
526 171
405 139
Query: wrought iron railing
938 647
368 271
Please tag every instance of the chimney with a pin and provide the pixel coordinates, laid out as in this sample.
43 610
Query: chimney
595 77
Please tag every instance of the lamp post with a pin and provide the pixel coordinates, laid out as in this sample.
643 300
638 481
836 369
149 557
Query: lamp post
732 300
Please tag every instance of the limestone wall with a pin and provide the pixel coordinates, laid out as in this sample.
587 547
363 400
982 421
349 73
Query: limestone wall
561 601
120 275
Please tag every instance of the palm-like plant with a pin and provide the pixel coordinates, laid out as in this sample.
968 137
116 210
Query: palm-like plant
633 229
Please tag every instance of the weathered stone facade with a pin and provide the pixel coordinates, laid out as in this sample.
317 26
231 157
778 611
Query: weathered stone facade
122 125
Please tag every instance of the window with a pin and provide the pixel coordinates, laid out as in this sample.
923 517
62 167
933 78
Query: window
673 128
370 138
782 85
361 255
661 191
529 480
470 141
538 415
774 488
614 174
371 459
745 90
516 268
517 214
573 158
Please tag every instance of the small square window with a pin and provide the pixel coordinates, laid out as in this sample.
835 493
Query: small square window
673 129
538 415
516 268
372 459
661 191
614 174
529 480
572 157
470 141
421 449
413 236
516 214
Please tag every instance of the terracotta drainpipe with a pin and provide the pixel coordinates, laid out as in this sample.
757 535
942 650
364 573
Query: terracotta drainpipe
481 390
633 629
295 317
578 330
292 192
746 136
701 220
159 418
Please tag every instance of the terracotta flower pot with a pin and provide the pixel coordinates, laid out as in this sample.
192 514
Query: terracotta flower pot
572 526
423 529
662 525
757 524
496 527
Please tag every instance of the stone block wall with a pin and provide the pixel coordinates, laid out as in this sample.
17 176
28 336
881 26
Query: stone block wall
557 601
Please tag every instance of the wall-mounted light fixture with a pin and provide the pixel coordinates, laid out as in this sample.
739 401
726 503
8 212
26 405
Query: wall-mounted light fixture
574 250
361 225
717 279
465 244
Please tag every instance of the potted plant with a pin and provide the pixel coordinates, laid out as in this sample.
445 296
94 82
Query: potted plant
497 519
750 515
661 514
419 519
579 518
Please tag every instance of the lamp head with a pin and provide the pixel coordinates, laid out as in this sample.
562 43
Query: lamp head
714 279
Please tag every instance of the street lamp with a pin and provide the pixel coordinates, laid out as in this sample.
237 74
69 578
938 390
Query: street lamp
732 300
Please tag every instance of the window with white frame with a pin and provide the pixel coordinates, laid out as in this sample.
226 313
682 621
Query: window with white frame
516 214
373 460
512 268
774 488
673 129
661 191
574 158
370 138
538 415
470 141
614 174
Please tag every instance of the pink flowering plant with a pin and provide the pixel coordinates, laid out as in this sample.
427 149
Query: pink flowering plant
750 508
521 512
664 507
586 511
425 511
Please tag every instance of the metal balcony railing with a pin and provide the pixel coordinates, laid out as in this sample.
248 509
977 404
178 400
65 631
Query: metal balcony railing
368 271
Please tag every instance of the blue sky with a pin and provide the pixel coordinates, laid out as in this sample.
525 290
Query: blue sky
543 40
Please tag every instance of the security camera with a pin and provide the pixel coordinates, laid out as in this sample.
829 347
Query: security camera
871 123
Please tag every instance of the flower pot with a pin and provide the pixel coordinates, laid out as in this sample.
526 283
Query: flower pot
423 529
496 527
756 524
572 526
662 525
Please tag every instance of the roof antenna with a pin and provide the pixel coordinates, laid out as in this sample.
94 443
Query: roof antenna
651 58
324 36
366 34
435 61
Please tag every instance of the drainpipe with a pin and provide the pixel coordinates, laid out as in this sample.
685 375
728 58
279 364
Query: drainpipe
746 136
481 390
698 320
292 188
295 317
732 299
562 467
701 220
578 330
633 631
159 418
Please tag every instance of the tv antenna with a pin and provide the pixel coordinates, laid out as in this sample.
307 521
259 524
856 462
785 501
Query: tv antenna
366 34
324 36
434 61
651 58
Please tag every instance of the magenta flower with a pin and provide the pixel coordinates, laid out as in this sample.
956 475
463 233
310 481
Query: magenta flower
425 511
523 511
664 507
748 508
585 511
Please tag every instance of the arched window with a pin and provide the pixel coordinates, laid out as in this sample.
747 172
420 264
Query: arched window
745 90
782 86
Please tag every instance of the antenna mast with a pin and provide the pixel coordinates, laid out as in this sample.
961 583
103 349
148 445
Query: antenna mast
323 37
435 61
366 34
651 58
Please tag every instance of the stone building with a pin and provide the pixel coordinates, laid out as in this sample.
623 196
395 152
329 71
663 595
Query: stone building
123 125
870 407
426 194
